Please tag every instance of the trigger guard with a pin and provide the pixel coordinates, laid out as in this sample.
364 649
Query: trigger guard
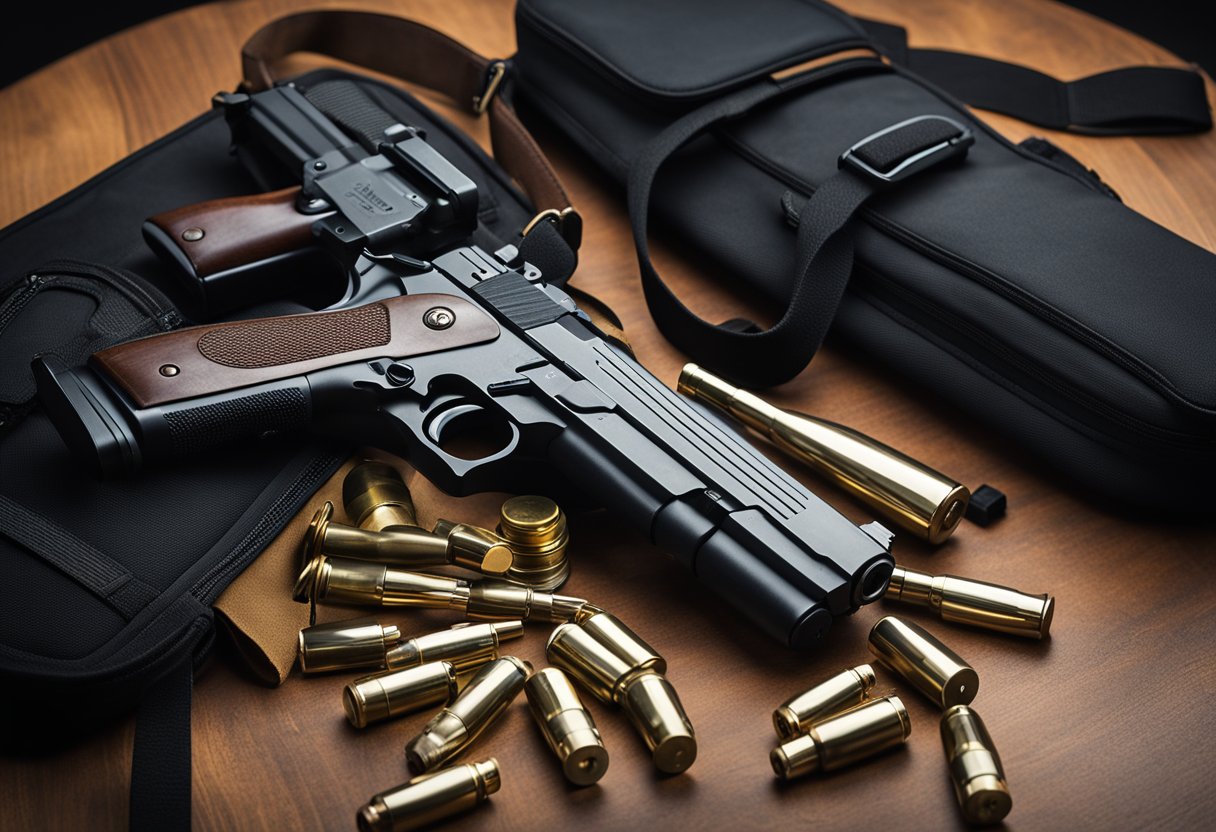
434 425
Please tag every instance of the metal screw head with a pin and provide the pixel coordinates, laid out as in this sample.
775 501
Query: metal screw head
192 235
439 317
169 370
319 166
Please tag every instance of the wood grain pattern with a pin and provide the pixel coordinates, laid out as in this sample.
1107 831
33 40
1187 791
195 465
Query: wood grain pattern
1108 725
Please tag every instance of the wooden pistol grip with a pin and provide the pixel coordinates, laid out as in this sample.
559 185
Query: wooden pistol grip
221 234
214 358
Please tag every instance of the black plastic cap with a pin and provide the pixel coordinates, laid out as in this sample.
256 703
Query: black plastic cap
987 505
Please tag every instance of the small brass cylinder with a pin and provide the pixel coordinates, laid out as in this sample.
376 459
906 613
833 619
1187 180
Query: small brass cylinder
910 493
477 549
455 727
975 768
536 530
654 709
346 645
465 646
928 665
501 599
429 798
387 695
845 690
588 660
376 498
844 739
346 581
567 726
980 604
624 642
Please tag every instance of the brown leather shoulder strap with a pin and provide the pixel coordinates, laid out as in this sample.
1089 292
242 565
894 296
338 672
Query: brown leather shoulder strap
418 54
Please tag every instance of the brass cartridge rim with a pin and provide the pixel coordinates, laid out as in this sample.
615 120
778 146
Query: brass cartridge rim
675 754
310 553
785 721
960 688
949 513
586 765
531 518
985 799
1049 610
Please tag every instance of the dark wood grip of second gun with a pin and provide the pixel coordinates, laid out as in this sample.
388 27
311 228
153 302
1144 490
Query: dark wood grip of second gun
221 234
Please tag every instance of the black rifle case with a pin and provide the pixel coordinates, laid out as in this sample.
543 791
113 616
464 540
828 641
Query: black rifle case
1004 279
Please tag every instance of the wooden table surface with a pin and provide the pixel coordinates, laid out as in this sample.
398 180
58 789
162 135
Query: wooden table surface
1107 725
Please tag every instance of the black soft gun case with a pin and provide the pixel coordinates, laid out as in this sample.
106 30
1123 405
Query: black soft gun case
1005 279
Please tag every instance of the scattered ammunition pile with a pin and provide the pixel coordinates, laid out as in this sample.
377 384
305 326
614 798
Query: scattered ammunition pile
460 670
837 722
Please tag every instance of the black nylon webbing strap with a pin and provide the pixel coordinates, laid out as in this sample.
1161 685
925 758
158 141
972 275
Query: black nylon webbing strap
97 572
160 760
1128 101
823 256
349 107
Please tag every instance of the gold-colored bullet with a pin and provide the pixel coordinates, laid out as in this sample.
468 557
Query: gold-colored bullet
975 767
536 529
844 739
486 599
455 727
624 642
845 690
430 797
346 645
923 501
980 604
376 498
567 726
465 646
346 581
406 547
928 665
387 695
646 696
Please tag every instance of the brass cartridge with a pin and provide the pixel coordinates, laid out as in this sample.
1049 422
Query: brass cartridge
484 599
346 645
647 697
386 695
844 739
376 498
910 493
975 768
845 690
980 604
455 727
407 547
624 642
429 798
929 666
657 713
567 726
465 646
345 581
536 529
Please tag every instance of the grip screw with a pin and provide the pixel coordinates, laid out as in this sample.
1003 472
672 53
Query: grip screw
192 235
439 317
169 370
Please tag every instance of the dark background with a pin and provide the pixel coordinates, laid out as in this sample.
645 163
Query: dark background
48 31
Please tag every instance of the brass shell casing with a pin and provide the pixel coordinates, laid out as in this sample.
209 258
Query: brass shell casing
928 665
405 546
346 581
465 646
844 739
387 695
845 690
536 529
980 604
647 697
430 798
455 727
490 600
657 713
376 498
353 644
567 726
624 642
975 768
918 498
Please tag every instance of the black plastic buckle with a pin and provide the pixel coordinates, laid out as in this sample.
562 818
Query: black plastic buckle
915 161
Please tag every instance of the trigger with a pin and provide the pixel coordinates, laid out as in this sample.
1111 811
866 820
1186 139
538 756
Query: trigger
441 420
